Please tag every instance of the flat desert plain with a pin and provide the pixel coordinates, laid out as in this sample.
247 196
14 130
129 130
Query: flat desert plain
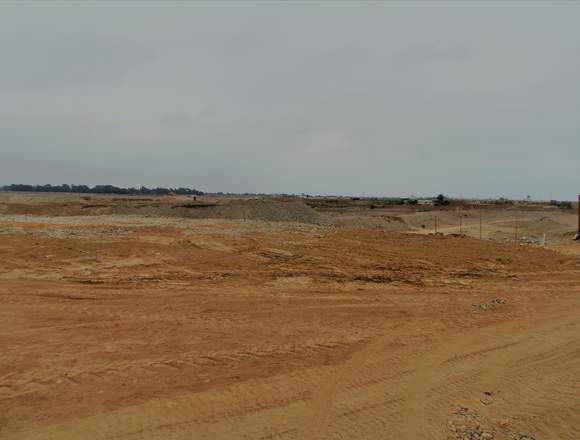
128 327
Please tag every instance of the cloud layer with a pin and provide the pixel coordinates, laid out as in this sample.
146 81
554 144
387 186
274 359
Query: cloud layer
473 99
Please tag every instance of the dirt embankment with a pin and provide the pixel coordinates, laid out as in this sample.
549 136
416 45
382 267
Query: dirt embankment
531 226
182 207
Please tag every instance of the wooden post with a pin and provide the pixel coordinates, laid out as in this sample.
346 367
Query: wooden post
460 223
480 223
436 224
516 229
578 236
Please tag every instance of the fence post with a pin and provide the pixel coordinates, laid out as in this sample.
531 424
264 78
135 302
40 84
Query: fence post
578 235
544 240
516 229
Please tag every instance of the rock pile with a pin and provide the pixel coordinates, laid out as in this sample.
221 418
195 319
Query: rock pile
468 424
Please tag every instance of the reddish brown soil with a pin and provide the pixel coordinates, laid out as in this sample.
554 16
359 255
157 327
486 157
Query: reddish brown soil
134 328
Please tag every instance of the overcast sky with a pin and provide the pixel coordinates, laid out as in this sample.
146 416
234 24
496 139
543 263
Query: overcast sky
465 99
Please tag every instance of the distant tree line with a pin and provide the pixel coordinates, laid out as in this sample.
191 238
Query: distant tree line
563 204
101 189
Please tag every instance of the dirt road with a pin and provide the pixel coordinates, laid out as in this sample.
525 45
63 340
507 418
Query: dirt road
137 328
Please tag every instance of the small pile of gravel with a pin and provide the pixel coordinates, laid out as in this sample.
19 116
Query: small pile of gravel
256 209
491 305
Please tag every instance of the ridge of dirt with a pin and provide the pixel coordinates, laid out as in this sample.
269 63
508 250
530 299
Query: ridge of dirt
231 209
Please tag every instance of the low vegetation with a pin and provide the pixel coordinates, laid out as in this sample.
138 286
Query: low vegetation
563 204
100 189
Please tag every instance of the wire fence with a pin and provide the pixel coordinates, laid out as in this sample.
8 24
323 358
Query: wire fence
513 229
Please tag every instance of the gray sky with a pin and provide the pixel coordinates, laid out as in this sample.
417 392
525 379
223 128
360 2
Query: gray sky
467 99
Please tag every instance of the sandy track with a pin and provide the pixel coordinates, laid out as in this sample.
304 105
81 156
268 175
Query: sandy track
282 332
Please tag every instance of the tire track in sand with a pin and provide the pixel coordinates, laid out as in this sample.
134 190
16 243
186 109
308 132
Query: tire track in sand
376 365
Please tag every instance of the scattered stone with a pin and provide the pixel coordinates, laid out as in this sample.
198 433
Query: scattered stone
522 436
90 281
486 400
469 425
467 413
530 240
472 433
491 305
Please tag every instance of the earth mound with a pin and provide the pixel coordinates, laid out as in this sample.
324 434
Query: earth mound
255 209
170 206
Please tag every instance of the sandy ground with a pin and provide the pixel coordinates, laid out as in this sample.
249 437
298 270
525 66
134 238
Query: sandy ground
146 328
525 223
